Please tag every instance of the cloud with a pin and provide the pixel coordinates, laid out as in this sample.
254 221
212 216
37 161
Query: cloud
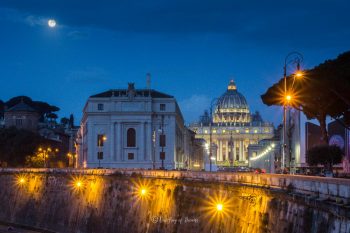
193 107
77 35
252 20
35 21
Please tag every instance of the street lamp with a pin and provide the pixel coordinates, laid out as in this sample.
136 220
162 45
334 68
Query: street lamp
162 142
291 58
214 101
101 139
45 152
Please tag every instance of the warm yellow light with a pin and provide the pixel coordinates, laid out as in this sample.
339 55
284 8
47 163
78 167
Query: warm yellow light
40 149
288 97
56 150
21 179
143 192
78 184
104 138
299 74
219 207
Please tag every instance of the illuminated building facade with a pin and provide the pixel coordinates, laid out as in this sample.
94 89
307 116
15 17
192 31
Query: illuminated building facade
133 128
232 128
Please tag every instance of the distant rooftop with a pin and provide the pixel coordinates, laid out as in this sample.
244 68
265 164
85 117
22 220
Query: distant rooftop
138 92
21 107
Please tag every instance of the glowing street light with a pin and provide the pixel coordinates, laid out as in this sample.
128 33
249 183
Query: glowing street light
299 74
288 98
45 153
291 58
100 143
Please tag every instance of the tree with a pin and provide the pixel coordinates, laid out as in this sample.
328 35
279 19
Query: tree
42 108
16 144
325 155
64 121
45 109
18 99
35 161
2 108
71 121
324 91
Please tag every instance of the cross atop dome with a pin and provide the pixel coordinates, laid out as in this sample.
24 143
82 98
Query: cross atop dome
232 85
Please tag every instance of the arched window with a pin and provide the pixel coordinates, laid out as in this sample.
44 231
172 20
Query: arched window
131 138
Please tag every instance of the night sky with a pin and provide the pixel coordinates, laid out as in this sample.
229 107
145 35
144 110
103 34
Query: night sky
191 48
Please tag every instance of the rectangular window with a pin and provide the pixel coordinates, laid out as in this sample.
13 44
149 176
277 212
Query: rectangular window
100 139
130 156
162 155
162 107
100 107
162 141
100 155
19 122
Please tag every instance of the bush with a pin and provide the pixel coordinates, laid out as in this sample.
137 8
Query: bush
324 155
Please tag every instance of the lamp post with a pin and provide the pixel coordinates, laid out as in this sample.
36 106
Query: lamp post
162 142
214 101
291 58
45 152
101 139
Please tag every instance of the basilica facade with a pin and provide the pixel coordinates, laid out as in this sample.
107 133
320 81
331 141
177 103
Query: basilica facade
229 128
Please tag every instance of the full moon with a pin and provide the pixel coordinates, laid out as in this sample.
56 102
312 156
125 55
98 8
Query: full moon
51 23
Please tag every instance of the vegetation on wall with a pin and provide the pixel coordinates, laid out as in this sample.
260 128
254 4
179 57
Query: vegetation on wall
324 155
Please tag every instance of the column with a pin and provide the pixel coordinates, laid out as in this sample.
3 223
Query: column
240 150
226 152
220 149
149 141
121 143
234 150
142 142
117 142
112 143
91 155
145 137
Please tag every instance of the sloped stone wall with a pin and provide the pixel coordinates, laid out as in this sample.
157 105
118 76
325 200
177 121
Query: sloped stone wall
114 204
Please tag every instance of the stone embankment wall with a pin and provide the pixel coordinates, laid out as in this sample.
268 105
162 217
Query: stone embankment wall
113 201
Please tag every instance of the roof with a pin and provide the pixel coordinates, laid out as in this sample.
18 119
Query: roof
21 107
124 93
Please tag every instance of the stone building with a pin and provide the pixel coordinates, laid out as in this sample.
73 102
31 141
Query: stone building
231 128
22 116
133 128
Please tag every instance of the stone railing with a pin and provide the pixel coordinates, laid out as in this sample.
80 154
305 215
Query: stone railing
316 187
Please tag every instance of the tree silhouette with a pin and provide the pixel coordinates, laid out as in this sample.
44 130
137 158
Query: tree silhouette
324 91
43 108
324 155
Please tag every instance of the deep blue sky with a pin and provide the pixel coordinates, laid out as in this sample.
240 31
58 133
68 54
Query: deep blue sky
191 48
